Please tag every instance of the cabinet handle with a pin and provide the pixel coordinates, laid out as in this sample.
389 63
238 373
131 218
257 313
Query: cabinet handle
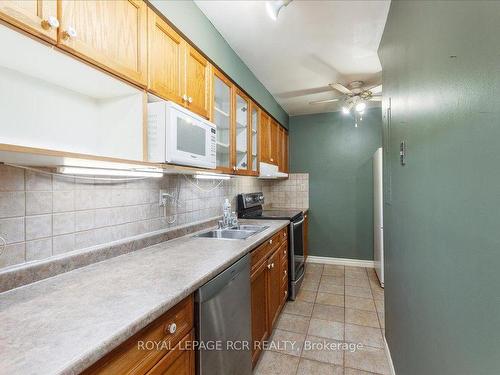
69 34
190 99
171 328
50 23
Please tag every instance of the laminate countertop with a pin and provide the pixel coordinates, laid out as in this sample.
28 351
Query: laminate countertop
63 324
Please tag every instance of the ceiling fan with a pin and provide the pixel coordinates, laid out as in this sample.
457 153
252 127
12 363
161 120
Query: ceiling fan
355 95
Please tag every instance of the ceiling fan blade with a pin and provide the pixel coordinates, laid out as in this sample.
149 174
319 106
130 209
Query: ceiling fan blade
375 99
324 101
341 88
376 89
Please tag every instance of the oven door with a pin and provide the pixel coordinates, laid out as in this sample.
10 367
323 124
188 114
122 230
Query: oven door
297 248
190 140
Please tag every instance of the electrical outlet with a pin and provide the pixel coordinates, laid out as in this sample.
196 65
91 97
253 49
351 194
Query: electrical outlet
163 198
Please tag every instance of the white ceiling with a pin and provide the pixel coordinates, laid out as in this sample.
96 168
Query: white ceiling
312 44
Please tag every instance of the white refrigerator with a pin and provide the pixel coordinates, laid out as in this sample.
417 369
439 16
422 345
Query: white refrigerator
378 216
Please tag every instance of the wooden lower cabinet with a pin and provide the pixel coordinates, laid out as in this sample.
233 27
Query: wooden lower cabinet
274 287
173 330
260 327
269 288
179 361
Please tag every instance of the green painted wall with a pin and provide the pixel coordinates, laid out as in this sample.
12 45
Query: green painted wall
442 209
338 158
188 18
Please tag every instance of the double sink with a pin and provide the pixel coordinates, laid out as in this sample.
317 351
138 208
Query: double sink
238 232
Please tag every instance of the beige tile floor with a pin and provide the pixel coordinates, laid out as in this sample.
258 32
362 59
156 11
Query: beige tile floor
336 304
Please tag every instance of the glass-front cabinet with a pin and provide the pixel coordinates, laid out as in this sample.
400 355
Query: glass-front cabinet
242 133
236 118
254 135
223 118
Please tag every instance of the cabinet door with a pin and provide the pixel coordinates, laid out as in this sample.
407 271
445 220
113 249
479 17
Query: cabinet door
179 361
165 60
223 119
254 138
281 149
274 287
242 133
198 75
260 329
286 162
275 128
110 34
37 17
265 138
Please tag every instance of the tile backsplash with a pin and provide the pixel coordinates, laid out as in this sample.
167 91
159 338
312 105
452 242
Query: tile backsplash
290 193
43 215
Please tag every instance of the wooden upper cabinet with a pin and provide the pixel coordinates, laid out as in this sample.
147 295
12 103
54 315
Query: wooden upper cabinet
283 150
275 129
287 153
222 117
242 133
198 78
110 34
37 17
254 137
165 59
177 71
265 138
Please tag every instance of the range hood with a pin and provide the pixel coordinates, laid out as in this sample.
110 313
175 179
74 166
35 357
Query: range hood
270 172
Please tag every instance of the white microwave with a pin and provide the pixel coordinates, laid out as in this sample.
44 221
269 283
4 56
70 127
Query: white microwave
177 135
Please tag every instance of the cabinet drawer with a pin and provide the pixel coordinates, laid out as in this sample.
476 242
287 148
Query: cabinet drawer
284 291
132 357
179 361
264 250
284 235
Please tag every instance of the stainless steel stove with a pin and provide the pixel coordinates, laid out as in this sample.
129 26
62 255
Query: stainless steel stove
250 206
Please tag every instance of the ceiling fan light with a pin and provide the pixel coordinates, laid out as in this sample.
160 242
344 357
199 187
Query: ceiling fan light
345 110
360 107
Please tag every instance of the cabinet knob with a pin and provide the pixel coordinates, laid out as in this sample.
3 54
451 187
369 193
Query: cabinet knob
272 159
285 272
50 23
171 328
272 265
268 266
270 242
286 292
190 99
69 34
184 98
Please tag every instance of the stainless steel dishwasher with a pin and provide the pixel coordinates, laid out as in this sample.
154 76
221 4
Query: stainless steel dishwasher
223 322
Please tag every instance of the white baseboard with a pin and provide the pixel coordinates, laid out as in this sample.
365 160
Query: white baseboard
389 358
341 261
